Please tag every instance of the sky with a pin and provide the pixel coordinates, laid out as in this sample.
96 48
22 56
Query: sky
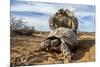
37 14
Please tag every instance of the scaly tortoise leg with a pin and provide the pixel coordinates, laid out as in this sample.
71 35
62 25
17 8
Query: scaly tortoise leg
66 52
45 44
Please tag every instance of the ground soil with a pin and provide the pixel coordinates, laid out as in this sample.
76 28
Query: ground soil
24 50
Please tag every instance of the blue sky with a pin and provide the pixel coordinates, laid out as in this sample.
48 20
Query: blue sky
38 13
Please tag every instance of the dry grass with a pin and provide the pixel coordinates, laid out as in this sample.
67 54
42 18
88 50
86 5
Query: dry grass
23 50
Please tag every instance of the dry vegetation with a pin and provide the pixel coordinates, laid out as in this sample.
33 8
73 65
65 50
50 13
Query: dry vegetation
23 50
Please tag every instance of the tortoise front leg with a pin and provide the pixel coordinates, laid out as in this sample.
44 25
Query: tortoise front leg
66 52
45 45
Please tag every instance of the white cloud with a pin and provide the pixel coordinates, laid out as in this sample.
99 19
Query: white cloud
83 14
37 7
45 8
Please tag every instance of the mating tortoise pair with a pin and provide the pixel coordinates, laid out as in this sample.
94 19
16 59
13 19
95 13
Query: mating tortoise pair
63 40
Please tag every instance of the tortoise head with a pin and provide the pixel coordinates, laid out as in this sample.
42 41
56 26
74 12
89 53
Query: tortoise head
55 42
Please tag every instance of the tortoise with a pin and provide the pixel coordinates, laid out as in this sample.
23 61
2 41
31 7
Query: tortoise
61 39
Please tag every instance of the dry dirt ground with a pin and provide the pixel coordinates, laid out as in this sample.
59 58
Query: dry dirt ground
23 50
